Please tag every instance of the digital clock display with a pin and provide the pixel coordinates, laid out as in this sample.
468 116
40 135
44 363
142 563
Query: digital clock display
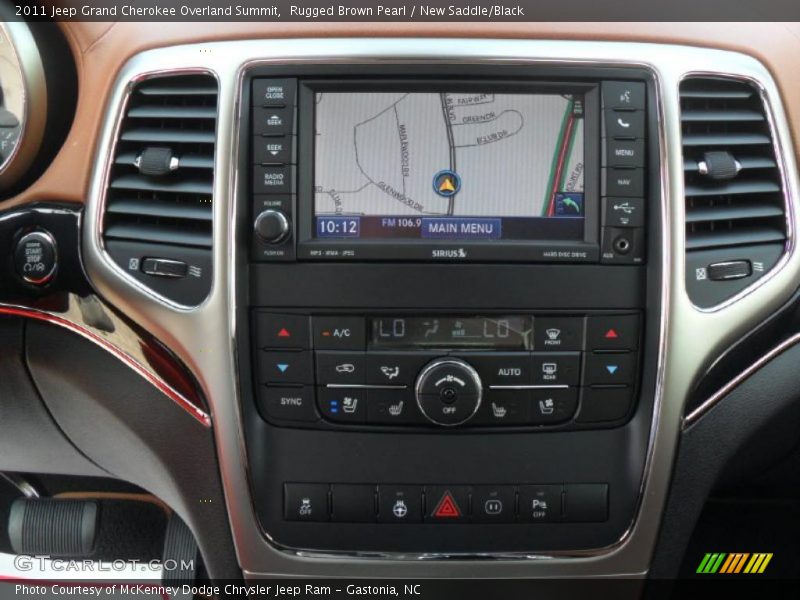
506 332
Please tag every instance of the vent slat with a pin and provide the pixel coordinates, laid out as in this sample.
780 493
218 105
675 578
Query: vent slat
733 187
745 162
732 212
163 184
716 115
160 234
155 208
165 87
725 139
741 237
177 136
172 112
190 161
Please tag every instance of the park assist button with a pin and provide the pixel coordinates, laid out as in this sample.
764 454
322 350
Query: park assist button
540 503
339 333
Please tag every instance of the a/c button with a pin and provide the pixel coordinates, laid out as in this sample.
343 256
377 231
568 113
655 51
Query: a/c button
339 333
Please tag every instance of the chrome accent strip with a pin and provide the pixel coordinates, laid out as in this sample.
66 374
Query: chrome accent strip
204 338
363 386
22 485
712 400
528 387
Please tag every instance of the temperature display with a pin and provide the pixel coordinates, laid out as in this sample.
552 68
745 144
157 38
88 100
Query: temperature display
507 332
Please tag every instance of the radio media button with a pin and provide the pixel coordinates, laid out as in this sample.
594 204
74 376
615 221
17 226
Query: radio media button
340 367
395 368
623 182
493 503
624 153
274 150
623 94
558 333
281 331
501 368
612 332
623 212
288 403
540 503
550 407
393 407
339 333
273 121
305 501
343 405
352 503
610 368
624 124
273 179
285 367
274 92
556 368
503 407
604 404
399 503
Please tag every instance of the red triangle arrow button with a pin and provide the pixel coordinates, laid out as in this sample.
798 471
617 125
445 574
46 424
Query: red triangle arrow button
611 334
284 333
447 507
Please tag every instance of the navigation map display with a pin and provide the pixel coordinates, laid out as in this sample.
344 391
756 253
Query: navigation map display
449 166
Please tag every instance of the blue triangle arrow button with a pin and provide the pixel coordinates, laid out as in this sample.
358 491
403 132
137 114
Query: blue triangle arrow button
612 368
282 367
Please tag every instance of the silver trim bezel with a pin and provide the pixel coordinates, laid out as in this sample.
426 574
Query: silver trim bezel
682 355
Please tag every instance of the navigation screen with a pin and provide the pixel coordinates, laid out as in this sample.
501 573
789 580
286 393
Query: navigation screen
449 166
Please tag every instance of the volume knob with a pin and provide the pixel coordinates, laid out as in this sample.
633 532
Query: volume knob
272 226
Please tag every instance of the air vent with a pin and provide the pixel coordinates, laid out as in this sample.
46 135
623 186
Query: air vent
158 219
735 205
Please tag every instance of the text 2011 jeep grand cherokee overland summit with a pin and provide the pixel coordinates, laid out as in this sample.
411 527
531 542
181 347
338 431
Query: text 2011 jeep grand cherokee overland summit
492 301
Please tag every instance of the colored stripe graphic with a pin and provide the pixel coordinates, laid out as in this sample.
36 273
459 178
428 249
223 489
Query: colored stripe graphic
733 563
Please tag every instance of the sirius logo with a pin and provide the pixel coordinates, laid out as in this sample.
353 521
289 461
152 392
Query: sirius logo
454 253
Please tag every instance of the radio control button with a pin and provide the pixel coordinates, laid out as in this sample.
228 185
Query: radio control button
610 368
343 405
393 407
604 404
285 367
395 368
274 92
448 391
272 226
503 407
558 333
556 368
273 120
623 182
624 153
340 367
288 403
628 95
550 407
501 368
540 503
274 150
274 179
612 332
339 333
281 331
624 124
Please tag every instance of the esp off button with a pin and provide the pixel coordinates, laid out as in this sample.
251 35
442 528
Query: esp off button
36 257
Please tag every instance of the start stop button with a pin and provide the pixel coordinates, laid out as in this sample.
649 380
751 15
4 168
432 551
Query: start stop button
35 257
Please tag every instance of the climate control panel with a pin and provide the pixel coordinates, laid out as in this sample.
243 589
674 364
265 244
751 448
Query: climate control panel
446 372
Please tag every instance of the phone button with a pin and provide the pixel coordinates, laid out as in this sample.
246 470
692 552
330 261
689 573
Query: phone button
624 124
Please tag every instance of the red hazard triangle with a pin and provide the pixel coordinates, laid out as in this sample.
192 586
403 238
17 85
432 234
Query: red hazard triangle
447 507
284 333
611 334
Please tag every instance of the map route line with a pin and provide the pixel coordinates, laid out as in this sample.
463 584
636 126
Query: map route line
448 124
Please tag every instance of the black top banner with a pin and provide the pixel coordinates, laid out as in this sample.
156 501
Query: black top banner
407 11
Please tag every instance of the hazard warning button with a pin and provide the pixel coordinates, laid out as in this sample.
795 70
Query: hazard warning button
612 332
447 504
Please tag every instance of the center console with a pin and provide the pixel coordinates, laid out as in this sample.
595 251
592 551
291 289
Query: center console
448 318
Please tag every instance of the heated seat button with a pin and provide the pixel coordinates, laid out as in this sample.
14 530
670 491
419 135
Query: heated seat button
604 404
493 504
586 502
446 504
342 405
503 407
281 331
612 332
393 407
340 368
288 403
556 368
339 333
395 368
540 503
558 333
285 367
353 503
399 503
305 502
501 368
610 368
550 407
